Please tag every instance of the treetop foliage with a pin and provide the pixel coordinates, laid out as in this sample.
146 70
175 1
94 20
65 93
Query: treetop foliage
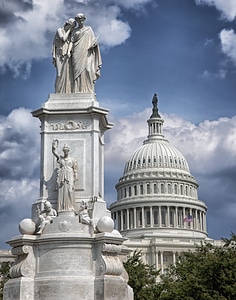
209 273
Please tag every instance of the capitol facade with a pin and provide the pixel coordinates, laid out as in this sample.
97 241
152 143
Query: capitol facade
157 208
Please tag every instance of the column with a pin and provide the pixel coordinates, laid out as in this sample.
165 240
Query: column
151 217
205 226
176 217
162 267
191 214
135 218
116 220
159 216
121 220
183 224
157 261
143 219
131 211
201 220
174 258
168 217
127 218
194 218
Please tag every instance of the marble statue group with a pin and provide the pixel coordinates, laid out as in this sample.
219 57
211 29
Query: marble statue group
76 56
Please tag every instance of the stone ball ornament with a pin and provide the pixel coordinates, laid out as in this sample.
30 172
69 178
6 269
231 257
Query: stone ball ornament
27 226
105 224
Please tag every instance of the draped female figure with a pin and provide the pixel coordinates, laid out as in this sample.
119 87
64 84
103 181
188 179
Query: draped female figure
61 57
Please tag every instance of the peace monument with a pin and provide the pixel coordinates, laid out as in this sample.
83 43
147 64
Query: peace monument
69 248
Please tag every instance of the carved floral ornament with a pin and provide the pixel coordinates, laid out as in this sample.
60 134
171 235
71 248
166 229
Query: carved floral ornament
69 125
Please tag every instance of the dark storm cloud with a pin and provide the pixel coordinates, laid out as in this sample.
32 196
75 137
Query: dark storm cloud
8 7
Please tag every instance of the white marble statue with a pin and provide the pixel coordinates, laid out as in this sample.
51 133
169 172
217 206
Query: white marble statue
45 216
66 177
85 213
85 55
77 57
61 57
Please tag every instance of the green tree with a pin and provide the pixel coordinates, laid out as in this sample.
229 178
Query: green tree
207 274
142 278
4 276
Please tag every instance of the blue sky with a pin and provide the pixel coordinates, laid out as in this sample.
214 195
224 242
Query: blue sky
184 50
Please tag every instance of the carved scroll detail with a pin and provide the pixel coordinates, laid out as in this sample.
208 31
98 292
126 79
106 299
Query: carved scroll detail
109 262
24 265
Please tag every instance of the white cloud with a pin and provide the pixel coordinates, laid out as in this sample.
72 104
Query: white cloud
133 3
227 8
228 43
19 149
15 192
206 143
201 144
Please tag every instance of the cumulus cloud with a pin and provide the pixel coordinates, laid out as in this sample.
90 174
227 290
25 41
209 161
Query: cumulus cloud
226 8
27 27
19 133
204 144
228 43
201 144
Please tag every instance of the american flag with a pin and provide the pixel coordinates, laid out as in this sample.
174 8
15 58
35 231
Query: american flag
188 219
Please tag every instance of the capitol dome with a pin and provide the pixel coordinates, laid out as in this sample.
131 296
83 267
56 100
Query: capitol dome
156 155
157 194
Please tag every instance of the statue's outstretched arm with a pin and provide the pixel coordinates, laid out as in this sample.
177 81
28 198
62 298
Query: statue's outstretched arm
54 146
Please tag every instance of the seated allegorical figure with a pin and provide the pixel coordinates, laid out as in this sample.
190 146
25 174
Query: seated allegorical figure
45 216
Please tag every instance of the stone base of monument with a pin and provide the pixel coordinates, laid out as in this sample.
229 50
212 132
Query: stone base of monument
77 253
68 262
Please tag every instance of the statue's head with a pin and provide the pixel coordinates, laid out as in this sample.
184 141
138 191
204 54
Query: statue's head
47 205
80 17
66 148
71 22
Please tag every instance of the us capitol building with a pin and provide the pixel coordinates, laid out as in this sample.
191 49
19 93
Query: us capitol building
157 208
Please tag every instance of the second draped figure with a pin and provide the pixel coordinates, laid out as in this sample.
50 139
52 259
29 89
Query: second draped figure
76 56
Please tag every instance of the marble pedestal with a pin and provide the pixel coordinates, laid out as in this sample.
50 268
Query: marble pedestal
68 262
71 259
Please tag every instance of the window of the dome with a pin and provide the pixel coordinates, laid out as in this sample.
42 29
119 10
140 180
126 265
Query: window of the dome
148 189
141 189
